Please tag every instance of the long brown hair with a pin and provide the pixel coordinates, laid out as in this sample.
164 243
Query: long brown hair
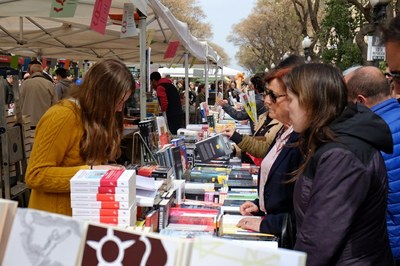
321 90
104 87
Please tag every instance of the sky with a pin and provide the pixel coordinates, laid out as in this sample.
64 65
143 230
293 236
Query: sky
222 15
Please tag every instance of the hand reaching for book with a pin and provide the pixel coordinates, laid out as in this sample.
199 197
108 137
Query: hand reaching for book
222 102
250 224
247 208
228 131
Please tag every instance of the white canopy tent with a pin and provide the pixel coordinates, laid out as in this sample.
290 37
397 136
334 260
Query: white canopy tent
196 72
26 29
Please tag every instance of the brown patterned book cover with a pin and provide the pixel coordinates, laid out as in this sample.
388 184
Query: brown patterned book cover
111 246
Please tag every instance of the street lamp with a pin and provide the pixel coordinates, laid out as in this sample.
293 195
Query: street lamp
306 44
378 16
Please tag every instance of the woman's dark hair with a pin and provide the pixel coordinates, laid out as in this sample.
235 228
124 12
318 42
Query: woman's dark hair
258 81
321 91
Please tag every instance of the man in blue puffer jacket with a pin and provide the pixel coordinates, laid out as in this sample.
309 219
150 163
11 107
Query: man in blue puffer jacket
369 86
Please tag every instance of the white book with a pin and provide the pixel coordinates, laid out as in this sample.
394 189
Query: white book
8 208
129 220
42 238
215 251
99 178
111 190
101 212
100 205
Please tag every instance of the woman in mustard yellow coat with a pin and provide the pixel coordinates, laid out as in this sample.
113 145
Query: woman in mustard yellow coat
81 131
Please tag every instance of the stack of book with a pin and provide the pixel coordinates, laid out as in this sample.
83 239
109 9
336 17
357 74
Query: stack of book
103 196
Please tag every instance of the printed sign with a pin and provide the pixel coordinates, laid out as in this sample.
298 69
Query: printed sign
376 51
100 15
63 8
128 26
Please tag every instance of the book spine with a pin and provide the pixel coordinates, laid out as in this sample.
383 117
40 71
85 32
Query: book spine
100 212
110 179
100 204
102 197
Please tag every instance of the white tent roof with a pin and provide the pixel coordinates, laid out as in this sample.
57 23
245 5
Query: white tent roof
179 72
26 29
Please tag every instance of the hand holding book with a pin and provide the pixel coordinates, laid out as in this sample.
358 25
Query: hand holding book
250 224
248 208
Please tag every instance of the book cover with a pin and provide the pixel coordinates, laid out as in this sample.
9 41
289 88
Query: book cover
164 209
163 132
103 178
8 208
178 166
109 246
42 238
213 147
151 220
180 142
216 251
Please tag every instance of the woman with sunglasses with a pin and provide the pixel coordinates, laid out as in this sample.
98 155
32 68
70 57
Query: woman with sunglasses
82 131
275 200
340 195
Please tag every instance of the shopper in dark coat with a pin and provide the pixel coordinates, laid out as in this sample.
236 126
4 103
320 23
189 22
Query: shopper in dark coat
341 190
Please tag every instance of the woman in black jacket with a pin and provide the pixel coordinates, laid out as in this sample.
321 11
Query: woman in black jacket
341 190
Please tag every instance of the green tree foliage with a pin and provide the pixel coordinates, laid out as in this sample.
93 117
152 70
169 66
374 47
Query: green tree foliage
338 33
266 35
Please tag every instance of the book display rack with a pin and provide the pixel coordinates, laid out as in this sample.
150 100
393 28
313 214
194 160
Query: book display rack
16 138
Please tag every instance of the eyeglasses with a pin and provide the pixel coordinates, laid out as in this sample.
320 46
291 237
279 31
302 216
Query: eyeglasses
274 97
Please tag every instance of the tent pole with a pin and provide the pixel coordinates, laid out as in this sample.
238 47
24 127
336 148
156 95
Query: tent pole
206 80
187 88
143 70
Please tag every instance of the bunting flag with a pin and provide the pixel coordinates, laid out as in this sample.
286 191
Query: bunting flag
44 62
128 26
67 63
171 50
100 16
27 60
14 62
63 8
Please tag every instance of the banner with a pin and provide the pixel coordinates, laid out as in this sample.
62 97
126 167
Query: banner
171 50
100 15
63 8
128 26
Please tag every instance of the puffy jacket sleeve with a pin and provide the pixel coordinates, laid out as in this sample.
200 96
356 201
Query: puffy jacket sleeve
338 189
162 97
254 145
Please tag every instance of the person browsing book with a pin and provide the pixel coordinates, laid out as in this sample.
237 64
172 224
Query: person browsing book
169 100
275 200
340 195
257 84
81 132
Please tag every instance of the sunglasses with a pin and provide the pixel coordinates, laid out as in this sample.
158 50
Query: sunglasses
395 76
274 97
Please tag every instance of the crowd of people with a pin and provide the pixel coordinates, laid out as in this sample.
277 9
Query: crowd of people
329 144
